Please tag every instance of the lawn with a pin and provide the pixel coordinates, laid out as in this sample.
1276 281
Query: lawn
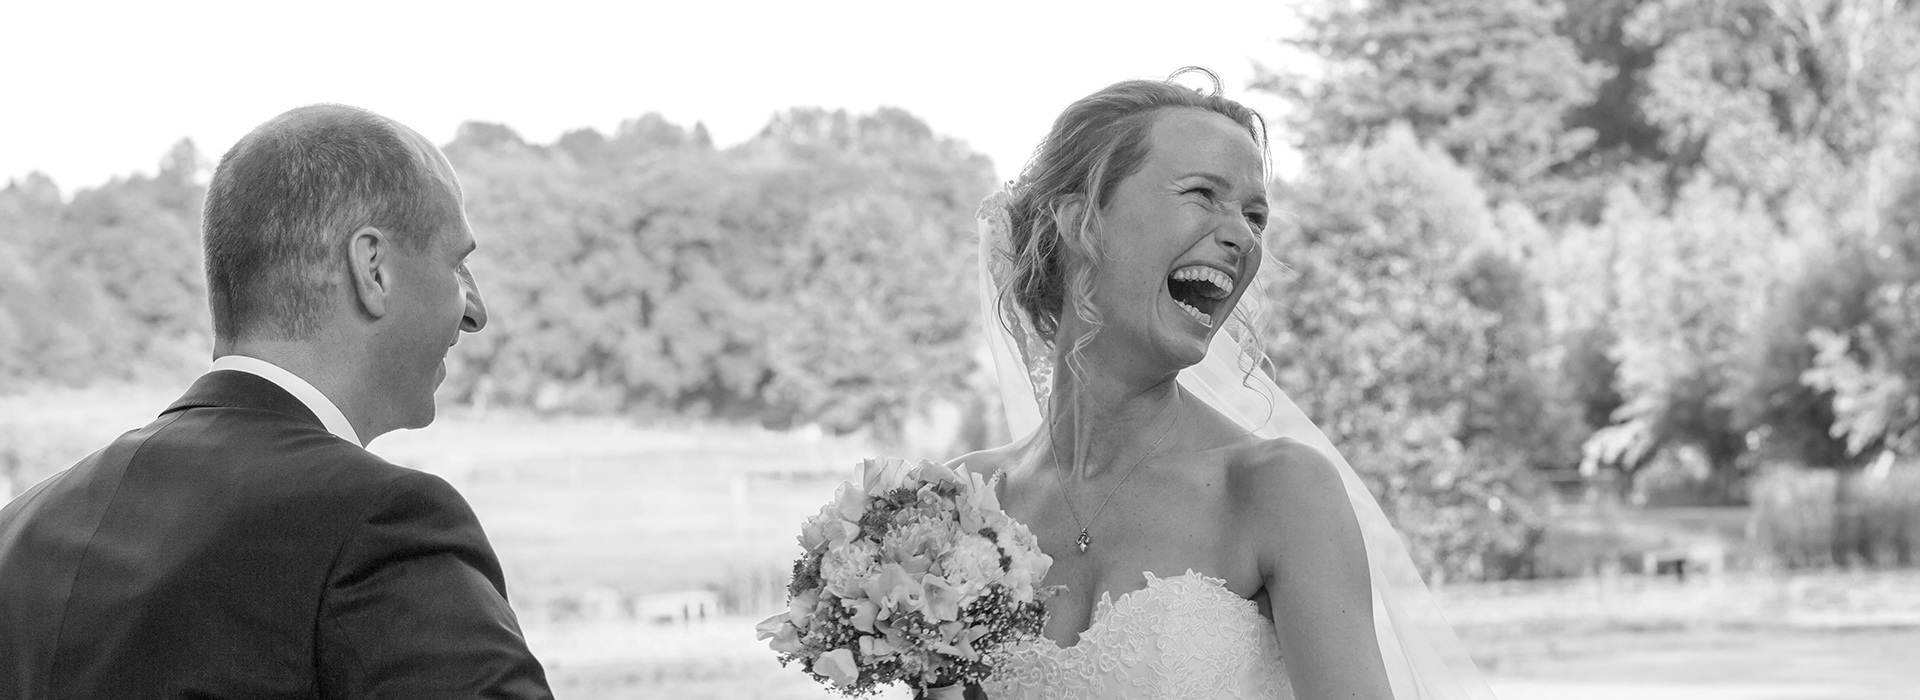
605 506
592 517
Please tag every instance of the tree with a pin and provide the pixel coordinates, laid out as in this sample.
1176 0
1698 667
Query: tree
816 273
881 265
1691 289
1490 83
1521 405
1693 119
1868 359
1376 331
108 285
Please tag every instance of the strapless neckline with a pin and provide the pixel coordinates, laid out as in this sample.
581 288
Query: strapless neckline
1210 587
1185 636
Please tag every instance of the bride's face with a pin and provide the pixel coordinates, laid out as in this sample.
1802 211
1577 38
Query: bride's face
1181 237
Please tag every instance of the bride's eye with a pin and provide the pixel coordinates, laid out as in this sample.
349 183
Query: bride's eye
1257 220
1206 192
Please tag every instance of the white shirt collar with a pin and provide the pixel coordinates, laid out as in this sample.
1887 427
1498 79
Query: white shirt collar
323 408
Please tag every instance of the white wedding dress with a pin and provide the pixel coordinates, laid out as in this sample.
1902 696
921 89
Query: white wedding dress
1184 636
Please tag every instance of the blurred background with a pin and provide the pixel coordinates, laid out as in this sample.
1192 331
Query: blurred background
1616 303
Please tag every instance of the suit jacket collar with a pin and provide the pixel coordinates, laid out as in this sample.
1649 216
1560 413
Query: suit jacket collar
234 389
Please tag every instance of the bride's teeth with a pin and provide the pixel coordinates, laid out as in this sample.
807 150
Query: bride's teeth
1197 314
1218 279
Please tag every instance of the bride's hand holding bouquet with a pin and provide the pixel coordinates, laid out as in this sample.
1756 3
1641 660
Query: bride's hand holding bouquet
913 575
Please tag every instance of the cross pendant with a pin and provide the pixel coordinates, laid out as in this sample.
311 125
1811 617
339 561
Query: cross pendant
1084 540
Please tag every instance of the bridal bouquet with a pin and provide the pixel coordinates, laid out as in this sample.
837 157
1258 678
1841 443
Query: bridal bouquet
913 575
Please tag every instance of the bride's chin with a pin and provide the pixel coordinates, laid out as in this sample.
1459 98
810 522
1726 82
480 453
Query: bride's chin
1185 349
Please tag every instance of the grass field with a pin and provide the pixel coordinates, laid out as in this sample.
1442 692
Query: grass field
592 517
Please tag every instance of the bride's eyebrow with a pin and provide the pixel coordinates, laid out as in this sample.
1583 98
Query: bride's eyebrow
1217 180
1259 197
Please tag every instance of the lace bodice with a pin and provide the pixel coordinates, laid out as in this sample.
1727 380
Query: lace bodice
1184 636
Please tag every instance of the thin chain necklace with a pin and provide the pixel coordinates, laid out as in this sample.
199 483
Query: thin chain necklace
1085 539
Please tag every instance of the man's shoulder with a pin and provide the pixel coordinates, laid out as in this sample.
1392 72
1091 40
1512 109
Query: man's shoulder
82 479
246 435
254 461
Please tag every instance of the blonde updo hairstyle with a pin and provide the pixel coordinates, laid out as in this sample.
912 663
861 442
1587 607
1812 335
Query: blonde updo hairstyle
1097 143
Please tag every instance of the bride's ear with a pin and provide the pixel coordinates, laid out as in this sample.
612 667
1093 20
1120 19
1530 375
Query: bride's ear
1069 213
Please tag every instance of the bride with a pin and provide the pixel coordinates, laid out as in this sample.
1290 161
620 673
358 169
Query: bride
1210 542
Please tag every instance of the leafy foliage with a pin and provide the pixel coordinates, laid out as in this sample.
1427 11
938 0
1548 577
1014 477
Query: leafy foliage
106 286
1691 289
1378 332
1490 83
816 273
1871 366
1720 220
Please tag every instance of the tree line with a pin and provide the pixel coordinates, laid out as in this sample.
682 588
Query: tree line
1530 237
1625 235
818 273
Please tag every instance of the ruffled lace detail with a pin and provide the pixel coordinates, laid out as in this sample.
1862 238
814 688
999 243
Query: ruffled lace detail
1185 636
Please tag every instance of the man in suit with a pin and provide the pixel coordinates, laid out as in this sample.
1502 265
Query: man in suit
244 544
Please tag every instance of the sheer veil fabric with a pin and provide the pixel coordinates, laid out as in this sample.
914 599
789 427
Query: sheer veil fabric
1424 658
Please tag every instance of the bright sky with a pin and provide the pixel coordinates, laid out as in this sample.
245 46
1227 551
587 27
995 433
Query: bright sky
102 89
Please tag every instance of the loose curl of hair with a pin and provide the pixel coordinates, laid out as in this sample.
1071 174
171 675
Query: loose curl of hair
1097 143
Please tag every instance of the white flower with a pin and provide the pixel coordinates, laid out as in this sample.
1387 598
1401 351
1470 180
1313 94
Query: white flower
800 608
842 568
864 613
813 532
931 472
1027 565
980 493
997 521
942 599
915 545
875 647
972 565
782 635
878 476
838 666
850 502
957 639
896 590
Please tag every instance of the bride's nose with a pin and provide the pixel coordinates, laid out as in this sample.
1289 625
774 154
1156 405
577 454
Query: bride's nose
1237 237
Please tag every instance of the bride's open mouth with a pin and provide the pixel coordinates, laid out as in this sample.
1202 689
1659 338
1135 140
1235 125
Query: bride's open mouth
1200 290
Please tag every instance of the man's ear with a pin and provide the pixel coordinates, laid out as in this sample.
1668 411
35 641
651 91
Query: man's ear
370 269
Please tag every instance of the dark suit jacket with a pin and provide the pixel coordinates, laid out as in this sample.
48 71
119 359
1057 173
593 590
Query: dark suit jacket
234 548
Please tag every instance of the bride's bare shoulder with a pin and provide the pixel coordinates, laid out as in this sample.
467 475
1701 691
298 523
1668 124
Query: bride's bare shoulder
1285 478
986 462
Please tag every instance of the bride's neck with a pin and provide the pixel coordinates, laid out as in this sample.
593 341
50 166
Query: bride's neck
1098 426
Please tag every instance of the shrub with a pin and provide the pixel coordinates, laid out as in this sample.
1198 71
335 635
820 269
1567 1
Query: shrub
1814 518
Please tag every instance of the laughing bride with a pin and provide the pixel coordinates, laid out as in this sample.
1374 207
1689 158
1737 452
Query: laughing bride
1211 542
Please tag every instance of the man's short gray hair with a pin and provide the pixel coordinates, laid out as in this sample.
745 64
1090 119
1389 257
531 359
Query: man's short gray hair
286 198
